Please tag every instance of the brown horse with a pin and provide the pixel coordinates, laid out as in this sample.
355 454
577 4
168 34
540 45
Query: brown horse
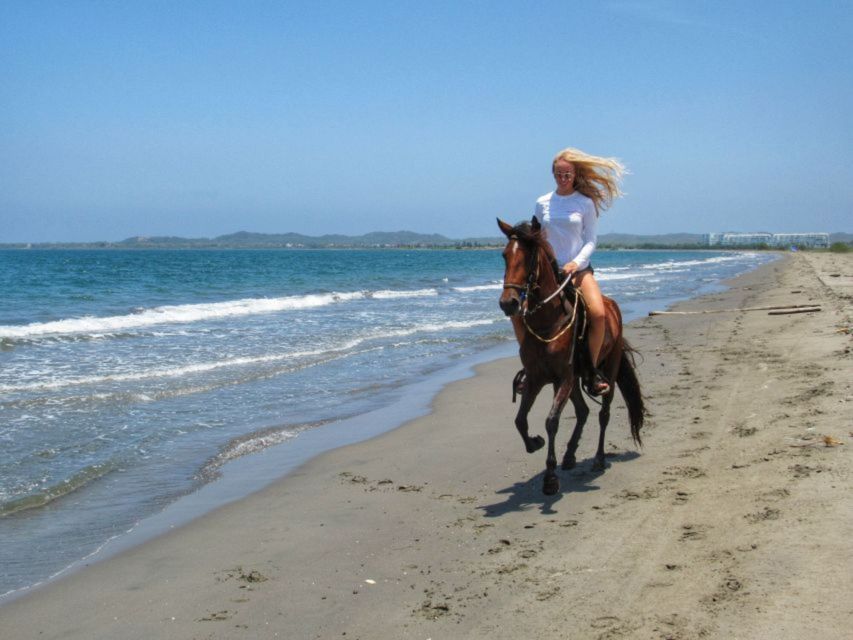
553 348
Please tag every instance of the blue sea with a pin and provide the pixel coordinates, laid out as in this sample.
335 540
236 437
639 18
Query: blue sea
129 379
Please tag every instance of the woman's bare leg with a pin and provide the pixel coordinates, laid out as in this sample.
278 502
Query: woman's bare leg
595 316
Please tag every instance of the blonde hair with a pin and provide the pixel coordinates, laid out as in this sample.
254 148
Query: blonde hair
597 178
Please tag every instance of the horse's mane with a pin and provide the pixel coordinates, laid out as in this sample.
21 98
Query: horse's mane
536 238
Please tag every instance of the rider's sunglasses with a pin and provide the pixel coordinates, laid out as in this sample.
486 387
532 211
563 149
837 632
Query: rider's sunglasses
563 176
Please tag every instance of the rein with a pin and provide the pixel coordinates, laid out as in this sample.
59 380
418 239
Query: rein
549 298
570 322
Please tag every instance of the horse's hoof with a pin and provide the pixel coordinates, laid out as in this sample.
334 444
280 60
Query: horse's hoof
568 463
535 443
551 486
598 464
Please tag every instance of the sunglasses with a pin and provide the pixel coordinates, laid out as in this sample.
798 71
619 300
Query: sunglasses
563 176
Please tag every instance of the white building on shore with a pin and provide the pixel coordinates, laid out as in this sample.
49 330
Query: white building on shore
812 240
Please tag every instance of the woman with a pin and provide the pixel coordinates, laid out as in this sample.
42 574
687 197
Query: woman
586 185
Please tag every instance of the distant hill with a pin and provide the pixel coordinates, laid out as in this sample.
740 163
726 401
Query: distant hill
246 239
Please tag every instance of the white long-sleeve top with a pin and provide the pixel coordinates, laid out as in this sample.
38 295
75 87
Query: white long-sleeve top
571 225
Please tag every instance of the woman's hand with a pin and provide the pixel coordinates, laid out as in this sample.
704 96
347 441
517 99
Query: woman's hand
569 268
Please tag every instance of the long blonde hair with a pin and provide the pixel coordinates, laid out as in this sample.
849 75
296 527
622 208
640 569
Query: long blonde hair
599 179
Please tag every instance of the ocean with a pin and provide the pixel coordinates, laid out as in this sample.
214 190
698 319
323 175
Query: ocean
130 379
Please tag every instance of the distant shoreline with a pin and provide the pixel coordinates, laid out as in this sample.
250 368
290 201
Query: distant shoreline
385 240
494 247
82 247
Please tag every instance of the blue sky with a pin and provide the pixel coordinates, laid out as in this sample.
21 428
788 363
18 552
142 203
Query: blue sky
204 118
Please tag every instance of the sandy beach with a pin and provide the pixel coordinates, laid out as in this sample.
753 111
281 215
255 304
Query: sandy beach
735 520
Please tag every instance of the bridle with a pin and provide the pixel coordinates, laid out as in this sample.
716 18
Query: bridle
533 283
532 279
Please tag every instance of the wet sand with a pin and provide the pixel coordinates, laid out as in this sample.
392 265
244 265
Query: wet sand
734 521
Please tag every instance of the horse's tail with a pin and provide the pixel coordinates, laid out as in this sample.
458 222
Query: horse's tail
629 385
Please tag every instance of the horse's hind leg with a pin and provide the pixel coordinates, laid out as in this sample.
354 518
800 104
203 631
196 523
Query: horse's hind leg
581 415
603 420
531 390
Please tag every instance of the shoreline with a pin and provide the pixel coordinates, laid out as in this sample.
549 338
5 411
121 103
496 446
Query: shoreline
447 527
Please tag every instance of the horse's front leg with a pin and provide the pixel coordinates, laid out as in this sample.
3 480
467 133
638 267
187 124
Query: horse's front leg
581 415
551 484
528 396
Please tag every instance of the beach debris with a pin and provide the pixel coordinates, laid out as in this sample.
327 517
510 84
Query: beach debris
829 441
370 581
775 310
790 311
826 441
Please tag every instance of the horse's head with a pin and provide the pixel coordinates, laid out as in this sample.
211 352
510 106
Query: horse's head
521 259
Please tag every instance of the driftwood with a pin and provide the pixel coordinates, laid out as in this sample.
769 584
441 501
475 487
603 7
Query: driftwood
780 313
788 308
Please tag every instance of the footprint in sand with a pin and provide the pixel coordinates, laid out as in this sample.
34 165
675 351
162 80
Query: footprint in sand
611 626
218 616
691 532
547 594
742 431
503 544
684 472
804 470
245 576
510 568
687 453
765 514
352 478
727 590
681 497
776 494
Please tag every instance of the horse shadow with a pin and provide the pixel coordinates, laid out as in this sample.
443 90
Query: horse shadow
527 494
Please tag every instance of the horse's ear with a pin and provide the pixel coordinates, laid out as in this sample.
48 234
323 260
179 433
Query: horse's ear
534 223
505 227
